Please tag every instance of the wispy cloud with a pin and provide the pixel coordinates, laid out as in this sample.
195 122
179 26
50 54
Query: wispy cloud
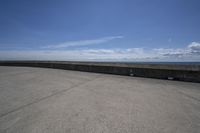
82 42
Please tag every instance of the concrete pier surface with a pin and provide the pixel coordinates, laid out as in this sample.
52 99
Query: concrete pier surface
42 100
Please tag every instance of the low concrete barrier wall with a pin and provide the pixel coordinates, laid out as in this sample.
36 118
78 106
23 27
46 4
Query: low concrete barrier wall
189 73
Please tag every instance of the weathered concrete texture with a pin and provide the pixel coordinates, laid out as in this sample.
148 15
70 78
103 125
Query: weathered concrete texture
161 71
38 100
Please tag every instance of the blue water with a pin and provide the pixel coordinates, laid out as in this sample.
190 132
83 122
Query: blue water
177 63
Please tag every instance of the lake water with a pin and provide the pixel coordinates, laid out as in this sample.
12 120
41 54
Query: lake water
178 63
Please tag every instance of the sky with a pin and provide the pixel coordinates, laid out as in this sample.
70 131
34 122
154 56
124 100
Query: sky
100 30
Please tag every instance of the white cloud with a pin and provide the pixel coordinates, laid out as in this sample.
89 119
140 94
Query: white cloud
87 54
189 53
169 52
194 47
83 42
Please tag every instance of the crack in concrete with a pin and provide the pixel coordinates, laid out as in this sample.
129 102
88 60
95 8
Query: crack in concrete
44 98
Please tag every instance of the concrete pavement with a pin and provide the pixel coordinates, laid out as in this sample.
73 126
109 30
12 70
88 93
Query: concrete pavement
39 100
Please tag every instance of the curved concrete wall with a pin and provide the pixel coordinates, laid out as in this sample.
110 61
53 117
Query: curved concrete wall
162 71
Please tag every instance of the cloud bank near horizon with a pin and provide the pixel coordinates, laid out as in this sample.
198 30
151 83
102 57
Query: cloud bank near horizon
189 53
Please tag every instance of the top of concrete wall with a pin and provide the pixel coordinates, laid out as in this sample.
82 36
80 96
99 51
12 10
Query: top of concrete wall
132 65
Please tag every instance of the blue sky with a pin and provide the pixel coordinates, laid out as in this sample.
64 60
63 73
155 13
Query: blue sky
114 30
